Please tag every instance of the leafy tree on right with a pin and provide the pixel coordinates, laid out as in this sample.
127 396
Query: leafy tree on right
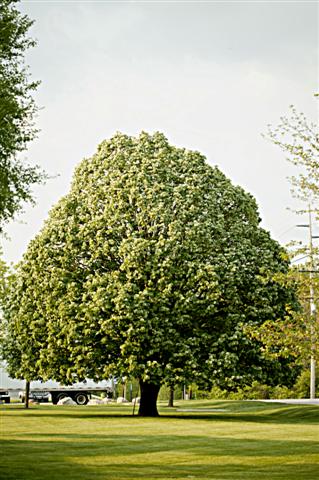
298 138
298 333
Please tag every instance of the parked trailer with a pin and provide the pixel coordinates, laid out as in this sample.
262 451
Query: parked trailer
80 395
50 390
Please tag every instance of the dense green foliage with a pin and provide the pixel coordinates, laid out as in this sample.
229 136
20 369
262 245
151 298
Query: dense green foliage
296 334
10 347
17 111
3 274
148 268
259 391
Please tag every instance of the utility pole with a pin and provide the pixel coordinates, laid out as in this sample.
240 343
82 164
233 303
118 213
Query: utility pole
312 315
312 310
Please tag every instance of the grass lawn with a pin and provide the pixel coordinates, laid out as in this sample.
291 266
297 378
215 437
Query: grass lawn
241 440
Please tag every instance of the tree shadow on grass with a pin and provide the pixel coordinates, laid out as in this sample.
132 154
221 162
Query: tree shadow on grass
289 415
285 416
118 457
199 444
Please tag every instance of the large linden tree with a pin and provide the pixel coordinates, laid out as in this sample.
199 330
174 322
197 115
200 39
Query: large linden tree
148 268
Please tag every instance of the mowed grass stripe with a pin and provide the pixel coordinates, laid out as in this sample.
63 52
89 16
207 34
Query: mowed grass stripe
250 441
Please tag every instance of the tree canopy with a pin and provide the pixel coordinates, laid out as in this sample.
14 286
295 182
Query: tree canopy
148 267
297 334
17 111
299 139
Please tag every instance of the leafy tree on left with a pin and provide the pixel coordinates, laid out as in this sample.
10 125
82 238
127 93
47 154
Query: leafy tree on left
11 348
9 345
17 112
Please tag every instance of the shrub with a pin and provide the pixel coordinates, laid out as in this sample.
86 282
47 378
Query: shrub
302 386
280 392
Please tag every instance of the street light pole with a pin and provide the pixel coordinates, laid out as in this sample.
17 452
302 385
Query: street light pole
312 315
312 310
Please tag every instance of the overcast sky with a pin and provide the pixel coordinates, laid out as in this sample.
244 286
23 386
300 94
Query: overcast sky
209 75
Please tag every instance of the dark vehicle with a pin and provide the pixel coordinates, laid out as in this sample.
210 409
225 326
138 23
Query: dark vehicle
4 396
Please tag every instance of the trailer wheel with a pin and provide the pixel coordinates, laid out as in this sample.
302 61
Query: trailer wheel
60 397
81 398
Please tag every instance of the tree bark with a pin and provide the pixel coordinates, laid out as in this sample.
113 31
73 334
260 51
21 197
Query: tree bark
27 393
114 396
190 393
149 393
171 397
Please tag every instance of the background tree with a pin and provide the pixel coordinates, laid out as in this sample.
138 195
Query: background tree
297 334
299 139
15 349
148 268
17 111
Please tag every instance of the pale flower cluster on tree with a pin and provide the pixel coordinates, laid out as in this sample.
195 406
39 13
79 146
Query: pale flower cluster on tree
147 268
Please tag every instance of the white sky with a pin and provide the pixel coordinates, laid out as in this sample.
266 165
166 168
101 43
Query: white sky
209 75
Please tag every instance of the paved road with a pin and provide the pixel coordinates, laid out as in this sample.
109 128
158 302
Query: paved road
295 401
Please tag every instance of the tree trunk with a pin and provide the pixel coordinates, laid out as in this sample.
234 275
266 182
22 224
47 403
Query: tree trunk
149 393
171 397
27 393
114 396
190 393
